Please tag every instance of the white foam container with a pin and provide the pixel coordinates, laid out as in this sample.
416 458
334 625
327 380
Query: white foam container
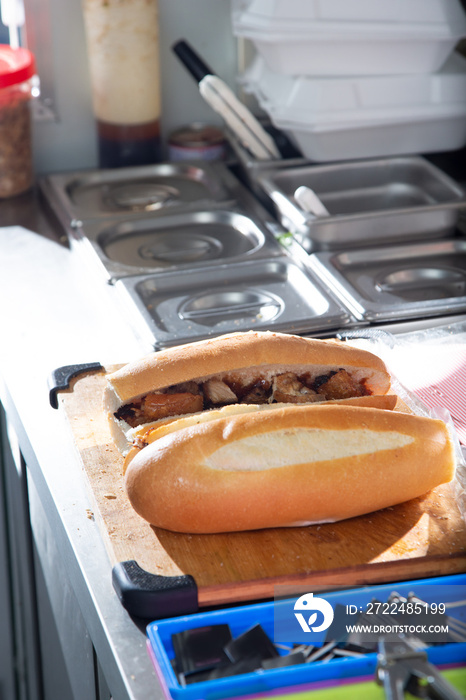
345 118
351 37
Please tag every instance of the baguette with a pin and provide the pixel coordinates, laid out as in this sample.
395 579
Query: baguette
239 368
146 434
295 465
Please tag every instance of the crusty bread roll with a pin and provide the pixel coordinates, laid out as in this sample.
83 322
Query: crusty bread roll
145 434
252 368
289 466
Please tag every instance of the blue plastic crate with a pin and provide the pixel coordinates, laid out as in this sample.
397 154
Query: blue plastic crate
243 617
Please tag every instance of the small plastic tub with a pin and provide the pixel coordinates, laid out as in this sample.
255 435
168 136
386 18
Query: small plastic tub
17 70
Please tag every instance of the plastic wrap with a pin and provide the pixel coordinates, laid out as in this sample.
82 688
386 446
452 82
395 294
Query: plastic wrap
428 370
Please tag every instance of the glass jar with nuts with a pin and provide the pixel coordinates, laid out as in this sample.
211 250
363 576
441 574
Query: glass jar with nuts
17 68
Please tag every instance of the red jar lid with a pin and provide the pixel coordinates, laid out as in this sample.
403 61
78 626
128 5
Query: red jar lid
16 65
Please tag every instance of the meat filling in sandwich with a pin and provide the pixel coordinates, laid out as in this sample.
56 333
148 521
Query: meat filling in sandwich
237 387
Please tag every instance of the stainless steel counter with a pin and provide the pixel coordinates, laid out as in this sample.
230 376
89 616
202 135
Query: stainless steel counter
53 315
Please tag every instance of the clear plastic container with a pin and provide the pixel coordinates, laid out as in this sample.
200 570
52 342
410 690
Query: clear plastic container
17 69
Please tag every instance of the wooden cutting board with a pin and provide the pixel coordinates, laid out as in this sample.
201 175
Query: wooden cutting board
421 538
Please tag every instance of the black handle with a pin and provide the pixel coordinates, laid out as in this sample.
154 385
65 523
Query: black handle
191 60
60 378
151 596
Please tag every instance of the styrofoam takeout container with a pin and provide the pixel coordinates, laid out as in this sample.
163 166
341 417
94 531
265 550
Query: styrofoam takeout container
338 37
344 118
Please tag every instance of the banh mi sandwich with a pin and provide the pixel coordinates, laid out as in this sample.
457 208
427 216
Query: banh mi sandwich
147 434
237 370
294 465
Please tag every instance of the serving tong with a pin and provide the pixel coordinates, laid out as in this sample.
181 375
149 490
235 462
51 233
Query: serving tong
222 99
402 666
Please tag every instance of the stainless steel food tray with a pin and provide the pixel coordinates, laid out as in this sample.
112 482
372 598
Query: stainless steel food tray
398 282
370 202
185 239
129 192
269 294
250 168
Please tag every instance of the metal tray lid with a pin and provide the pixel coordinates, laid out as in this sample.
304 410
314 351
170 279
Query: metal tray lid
184 239
399 282
124 192
273 294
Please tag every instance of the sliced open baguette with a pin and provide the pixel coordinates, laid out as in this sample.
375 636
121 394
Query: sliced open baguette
290 466
147 433
240 368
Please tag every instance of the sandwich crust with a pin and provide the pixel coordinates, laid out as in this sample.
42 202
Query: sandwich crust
248 472
205 358
233 369
148 433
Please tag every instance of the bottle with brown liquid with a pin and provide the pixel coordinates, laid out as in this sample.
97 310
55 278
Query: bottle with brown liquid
123 50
